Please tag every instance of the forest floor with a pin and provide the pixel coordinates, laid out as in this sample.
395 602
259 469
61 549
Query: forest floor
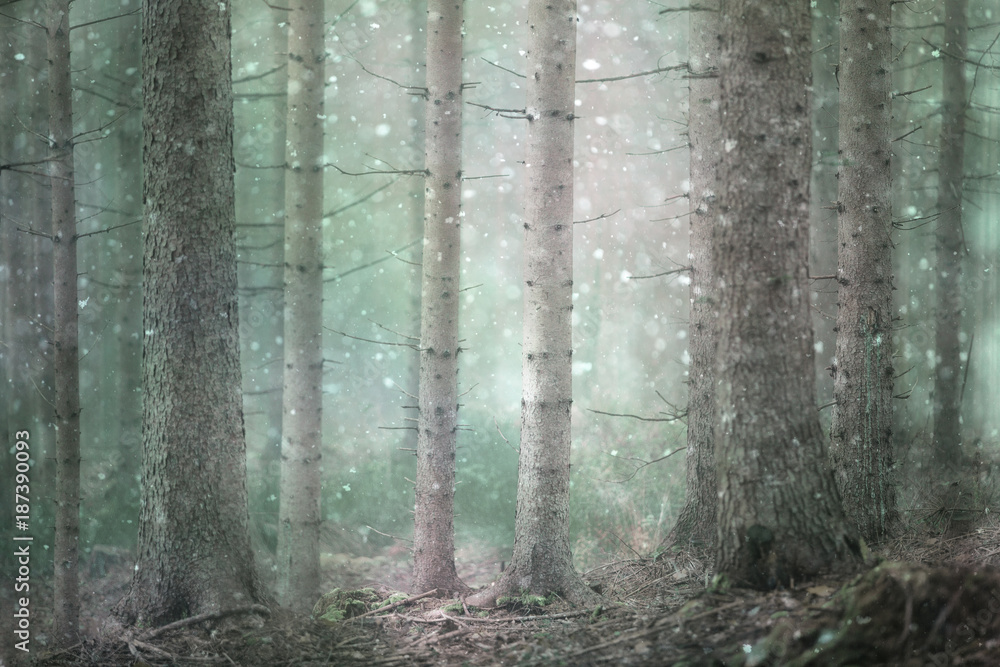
931 601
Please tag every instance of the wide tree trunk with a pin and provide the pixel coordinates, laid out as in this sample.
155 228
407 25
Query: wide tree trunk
696 523
779 510
434 535
542 562
66 614
302 423
950 237
861 435
194 551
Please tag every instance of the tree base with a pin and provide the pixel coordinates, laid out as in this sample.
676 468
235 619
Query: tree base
569 586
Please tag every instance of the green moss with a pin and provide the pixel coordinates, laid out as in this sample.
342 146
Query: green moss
340 604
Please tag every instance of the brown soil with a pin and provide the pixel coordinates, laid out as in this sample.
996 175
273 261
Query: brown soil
941 606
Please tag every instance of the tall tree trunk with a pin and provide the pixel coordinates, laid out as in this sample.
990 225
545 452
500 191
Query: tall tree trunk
66 615
950 239
779 511
823 189
302 417
696 523
542 562
861 435
434 534
194 550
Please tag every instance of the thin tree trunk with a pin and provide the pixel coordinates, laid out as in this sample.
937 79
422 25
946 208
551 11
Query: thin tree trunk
302 417
66 614
950 237
779 511
696 523
542 562
434 534
194 548
861 442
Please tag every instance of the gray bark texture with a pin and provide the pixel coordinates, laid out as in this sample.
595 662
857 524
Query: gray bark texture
66 612
823 188
696 522
542 562
434 533
779 510
950 238
861 434
302 414
194 550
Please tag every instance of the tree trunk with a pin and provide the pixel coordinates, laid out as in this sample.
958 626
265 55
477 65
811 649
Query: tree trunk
66 614
302 423
861 442
542 562
434 535
823 189
194 551
696 523
950 239
779 511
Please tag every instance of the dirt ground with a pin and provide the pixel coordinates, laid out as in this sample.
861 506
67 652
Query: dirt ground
930 601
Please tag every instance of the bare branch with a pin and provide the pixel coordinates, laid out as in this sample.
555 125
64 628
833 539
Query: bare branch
399 172
665 150
372 263
255 77
518 114
515 450
108 229
107 18
665 273
338 211
644 419
377 342
600 217
623 77
498 66
412 90
911 92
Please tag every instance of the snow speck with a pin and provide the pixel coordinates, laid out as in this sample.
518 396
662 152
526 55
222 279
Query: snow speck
601 120
83 304
730 145
624 276
599 253
19 56
590 64
383 129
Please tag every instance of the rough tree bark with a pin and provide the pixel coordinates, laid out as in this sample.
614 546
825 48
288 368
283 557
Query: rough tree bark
542 562
950 239
434 535
779 511
194 550
302 416
861 434
66 364
696 523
